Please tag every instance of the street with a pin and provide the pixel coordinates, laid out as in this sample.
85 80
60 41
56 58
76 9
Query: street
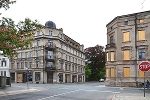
70 91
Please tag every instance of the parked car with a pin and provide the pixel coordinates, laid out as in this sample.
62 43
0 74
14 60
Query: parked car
101 80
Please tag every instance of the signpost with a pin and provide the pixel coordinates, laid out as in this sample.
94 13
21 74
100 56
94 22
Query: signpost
144 66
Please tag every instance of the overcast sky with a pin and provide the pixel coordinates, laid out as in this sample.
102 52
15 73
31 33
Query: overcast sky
82 20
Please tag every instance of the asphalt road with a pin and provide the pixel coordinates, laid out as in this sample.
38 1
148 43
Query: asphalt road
71 91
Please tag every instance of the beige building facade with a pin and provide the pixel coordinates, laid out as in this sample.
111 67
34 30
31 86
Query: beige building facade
128 44
53 57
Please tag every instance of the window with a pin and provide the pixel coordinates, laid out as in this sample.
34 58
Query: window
37 76
126 36
50 54
107 57
141 35
141 20
22 55
26 54
126 54
112 56
50 33
30 65
26 64
66 57
125 22
19 55
1 73
50 43
38 53
76 69
107 72
111 39
22 65
12 65
38 42
65 66
31 54
38 33
49 64
18 65
61 65
66 48
126 71
4 73
141 74
73 68
37 64
3 62
142 54
61 45
112 72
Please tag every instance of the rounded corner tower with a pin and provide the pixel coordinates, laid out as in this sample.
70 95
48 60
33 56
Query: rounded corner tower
50 24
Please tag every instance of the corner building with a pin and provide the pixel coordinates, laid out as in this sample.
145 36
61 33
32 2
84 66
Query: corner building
128 44
53 57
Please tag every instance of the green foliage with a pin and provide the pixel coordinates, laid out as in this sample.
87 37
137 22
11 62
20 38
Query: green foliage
102 73
95 59
14 36
87 72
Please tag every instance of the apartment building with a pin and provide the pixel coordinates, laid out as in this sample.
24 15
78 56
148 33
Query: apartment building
128 44
4 65
53 57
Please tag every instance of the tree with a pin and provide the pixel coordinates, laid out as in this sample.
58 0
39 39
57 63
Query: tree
95 58
14 36
87 72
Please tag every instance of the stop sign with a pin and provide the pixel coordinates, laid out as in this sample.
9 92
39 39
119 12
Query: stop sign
144 66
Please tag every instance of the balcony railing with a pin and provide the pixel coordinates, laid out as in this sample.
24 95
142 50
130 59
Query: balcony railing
50 45
49 58
111 45
48 68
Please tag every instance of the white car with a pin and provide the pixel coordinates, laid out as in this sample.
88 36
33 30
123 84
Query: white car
101 80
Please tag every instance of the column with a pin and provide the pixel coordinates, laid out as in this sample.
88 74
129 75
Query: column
15 77
77 77
33 77
70 77
63 77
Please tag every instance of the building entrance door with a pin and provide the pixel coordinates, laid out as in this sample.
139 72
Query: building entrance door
49 77
19 78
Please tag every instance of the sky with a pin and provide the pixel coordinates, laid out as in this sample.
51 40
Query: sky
82 20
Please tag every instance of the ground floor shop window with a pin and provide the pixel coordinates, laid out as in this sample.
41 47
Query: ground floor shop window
37 76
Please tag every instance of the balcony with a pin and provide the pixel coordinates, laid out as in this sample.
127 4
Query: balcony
111 45
48 68
50 46
50 58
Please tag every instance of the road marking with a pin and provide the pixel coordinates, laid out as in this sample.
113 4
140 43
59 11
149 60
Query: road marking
100 86
59 94
63 88
100 91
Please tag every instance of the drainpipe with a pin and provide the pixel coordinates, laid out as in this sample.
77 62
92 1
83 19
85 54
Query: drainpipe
136 50
43 62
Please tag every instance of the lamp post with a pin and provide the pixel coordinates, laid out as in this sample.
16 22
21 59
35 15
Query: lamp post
27 79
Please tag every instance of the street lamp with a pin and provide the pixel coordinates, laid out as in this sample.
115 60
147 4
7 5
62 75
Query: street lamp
27 79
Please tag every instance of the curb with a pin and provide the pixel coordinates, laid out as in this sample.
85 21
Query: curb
17 92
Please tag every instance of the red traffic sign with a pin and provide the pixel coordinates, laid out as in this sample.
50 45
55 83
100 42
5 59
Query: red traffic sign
144 66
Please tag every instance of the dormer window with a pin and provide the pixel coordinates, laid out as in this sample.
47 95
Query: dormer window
50 33
38 33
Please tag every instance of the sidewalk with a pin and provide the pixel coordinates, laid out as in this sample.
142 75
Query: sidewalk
16 90
137 97
132 96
